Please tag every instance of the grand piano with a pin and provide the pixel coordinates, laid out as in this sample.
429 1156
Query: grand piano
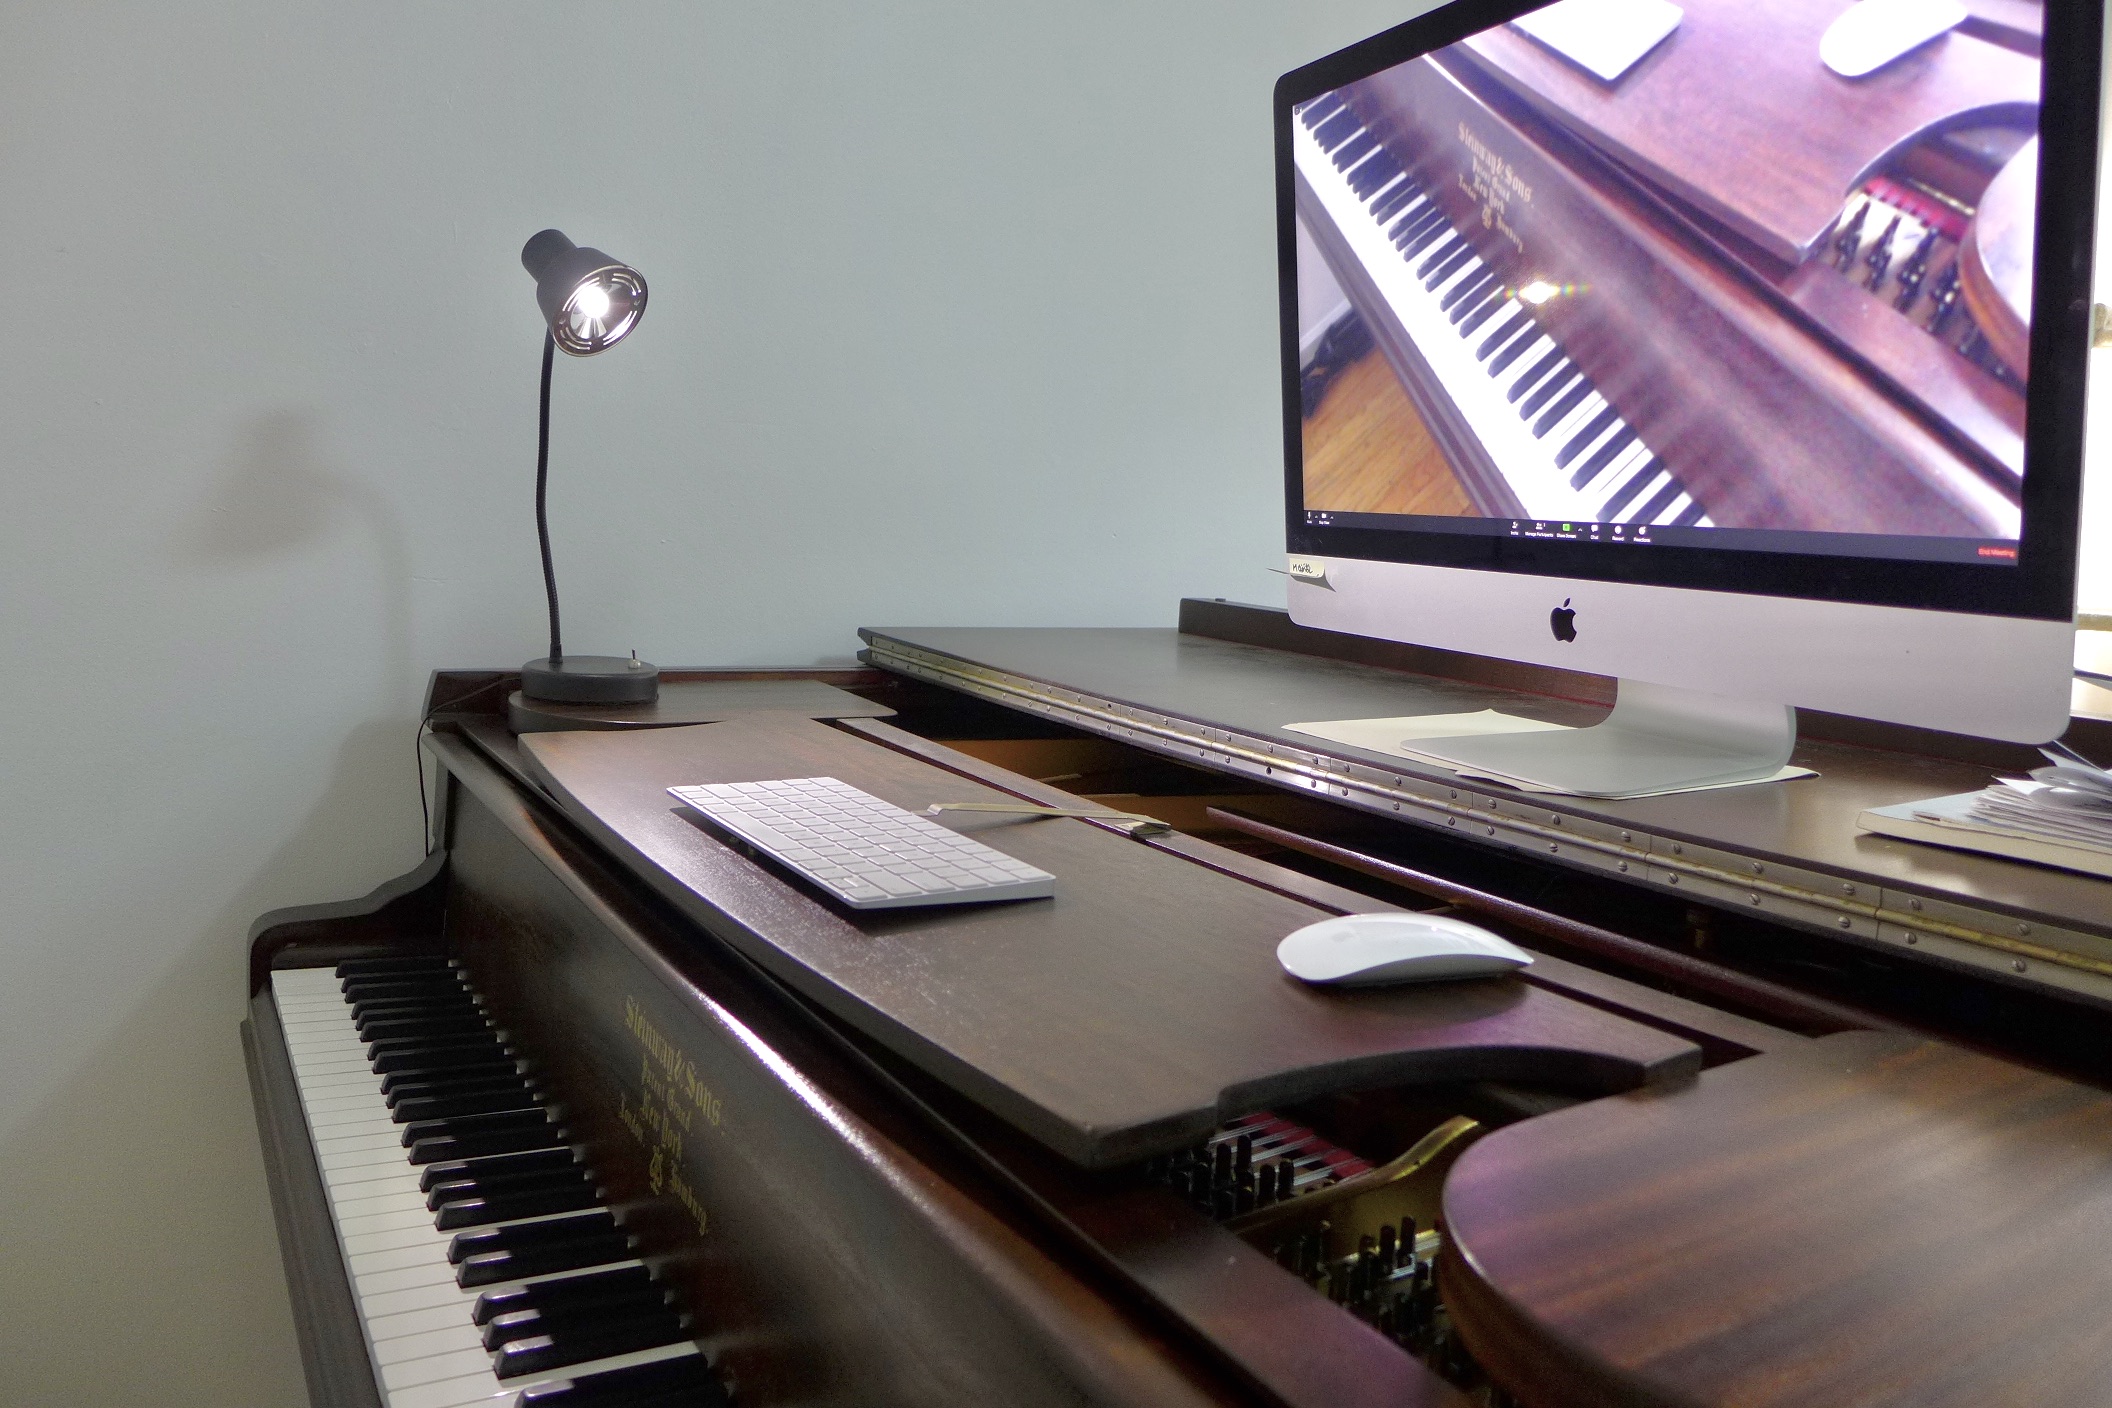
595 1106
1732 289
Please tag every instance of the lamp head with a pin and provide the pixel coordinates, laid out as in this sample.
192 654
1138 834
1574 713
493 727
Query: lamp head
589 300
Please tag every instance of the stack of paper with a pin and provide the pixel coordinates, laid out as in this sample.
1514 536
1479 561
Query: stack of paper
2060 815
2070 801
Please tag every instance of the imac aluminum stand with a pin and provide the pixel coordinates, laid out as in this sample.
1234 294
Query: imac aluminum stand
1657 739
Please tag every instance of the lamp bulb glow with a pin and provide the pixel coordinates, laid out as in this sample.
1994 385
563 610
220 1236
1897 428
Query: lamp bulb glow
592 301
1537 292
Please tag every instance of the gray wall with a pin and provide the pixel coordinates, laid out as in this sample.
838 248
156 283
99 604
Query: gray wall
961 312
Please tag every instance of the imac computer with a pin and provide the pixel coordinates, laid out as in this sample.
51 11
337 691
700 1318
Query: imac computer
1731 348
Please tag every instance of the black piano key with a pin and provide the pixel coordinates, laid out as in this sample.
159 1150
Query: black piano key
449 1171
1467 289
1337 130
1659 502
1606 454
1515 326
449 1072
401 963
1412 221
508 1204
371 1008
654 1306
531 1118
422 1108
507 1181
1562 406
1424 220
595 1287
1393 202
446 1148
481 1081
1535 373
361 990
687 1382
1587 437
1320 109
366 1007
411 1055
564 1249
1559 384
1634 486
651 1300
385 1028
1352 151
1690 515
1490 306
1449 267
532 1234
1374 173
1436 269
582 1343
1428 234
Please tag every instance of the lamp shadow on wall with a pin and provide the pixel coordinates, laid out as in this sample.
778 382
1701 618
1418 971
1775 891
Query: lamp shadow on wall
279 493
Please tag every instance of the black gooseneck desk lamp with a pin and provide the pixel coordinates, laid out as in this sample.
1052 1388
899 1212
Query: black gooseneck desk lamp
590 302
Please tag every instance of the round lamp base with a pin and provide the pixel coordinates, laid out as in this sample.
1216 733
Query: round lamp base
591 679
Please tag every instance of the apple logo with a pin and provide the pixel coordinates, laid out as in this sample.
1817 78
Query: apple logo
1563 621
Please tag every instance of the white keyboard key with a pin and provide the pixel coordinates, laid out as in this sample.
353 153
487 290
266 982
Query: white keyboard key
863 851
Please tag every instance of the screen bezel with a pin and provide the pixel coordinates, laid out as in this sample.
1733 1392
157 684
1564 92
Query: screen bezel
2040 585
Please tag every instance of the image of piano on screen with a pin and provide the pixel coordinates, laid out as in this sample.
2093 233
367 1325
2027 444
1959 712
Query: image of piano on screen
1729 289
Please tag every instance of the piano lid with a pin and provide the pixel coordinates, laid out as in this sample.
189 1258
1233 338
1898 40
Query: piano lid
1776 164
1122 1018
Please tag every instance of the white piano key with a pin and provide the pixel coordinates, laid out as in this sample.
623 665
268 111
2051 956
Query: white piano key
429 1251
429 1368
391 1200
381 1239
349 1124
407 1323
403 1278
455 1338
360 1149
353 1224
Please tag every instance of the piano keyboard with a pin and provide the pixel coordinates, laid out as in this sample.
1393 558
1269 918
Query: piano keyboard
1563 450
485 1268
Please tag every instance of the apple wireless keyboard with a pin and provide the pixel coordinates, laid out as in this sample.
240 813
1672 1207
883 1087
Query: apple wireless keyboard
867 853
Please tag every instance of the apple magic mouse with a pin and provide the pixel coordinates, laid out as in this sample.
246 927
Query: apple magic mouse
1358 949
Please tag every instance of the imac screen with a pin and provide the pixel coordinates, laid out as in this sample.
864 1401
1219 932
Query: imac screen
1640 275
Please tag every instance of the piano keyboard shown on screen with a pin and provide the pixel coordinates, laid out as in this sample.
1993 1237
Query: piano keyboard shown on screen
1560 447
484 1264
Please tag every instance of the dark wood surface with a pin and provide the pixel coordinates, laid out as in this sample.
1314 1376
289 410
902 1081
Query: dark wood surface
1735 112
1997 258
1721 1035
1808 823
1761 418
694 702
1870 1220
1124 1017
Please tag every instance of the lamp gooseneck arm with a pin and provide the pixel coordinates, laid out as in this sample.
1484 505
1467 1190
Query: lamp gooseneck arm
542 516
